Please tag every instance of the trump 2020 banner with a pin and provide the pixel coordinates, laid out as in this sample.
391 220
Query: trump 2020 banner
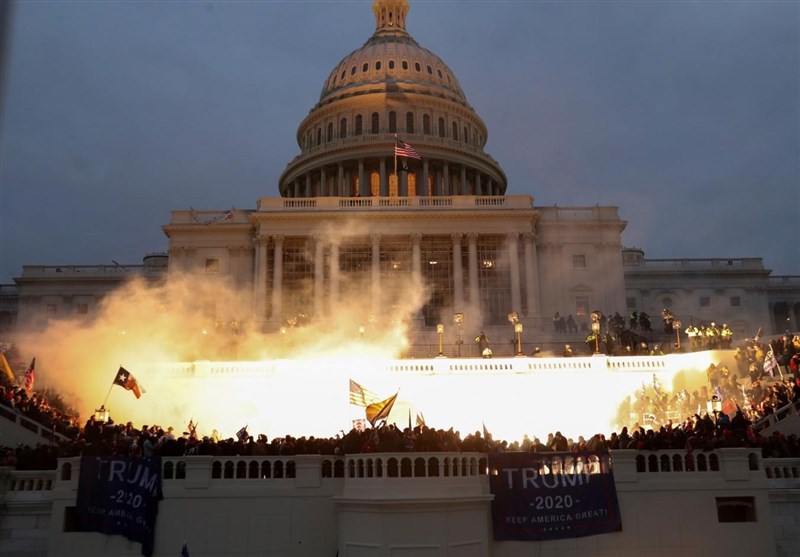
118 495
548 496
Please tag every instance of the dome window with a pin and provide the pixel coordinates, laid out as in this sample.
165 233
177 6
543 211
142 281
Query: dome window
376 121
330 132
342 76
319 136
430 70
426 124
409 122
439 72
417 66
343 128
405 65
378 65
359 124
466 135
365 67
391 64
392 122
455 131
441 128
353 70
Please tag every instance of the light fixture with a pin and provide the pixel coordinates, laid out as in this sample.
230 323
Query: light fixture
440 332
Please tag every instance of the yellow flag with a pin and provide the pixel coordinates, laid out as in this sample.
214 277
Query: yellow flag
5 368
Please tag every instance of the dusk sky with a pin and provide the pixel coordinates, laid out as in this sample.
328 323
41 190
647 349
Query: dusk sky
685 115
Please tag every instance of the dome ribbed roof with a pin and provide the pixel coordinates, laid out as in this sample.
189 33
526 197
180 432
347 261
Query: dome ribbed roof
391 60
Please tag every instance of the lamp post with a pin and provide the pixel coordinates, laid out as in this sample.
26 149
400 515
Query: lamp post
518 330
101 415
440 332
714 406
458 319
677 326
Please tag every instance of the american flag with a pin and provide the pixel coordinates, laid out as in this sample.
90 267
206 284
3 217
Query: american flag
359 396
30 376
403 149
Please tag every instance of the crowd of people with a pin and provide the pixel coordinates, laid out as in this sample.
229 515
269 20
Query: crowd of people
722 414
617 336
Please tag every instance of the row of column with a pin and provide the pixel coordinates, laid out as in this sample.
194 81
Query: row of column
343 184
530 262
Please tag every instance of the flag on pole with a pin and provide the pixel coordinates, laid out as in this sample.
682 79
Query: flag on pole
5 368
403 149
360 396
242 434
380 410
30 376
184 551
127 381
420 419
770 362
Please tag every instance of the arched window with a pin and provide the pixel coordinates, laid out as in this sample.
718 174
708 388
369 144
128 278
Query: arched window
353 70
409 122
376 122
441 128
343 128
330 132
405 65
417 66
359 124
319 136
392 122
430 70
391 64
365 67
466 135
455 131
378 65
426 124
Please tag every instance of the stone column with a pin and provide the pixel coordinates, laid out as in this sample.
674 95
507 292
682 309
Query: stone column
446 180
334 295
416 256
363 187
376 273
319 275
513 266
277 280
309 187
478 190
464 188
340 181
260 276
423 189
531 274
323 187
402 183
458 273
474 293
384 189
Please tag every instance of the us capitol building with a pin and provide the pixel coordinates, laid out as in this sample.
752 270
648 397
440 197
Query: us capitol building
354 222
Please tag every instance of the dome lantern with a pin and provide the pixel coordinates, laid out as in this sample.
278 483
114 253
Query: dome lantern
390 14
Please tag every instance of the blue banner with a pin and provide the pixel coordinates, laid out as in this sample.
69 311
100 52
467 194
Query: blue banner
119 495
548 496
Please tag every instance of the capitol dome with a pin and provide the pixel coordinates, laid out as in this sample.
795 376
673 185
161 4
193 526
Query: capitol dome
391 89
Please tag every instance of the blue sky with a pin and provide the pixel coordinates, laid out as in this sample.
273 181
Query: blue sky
684 114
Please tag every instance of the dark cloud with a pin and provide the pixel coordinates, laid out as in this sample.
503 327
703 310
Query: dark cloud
683 114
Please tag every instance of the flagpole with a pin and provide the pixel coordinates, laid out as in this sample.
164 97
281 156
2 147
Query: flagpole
109 391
